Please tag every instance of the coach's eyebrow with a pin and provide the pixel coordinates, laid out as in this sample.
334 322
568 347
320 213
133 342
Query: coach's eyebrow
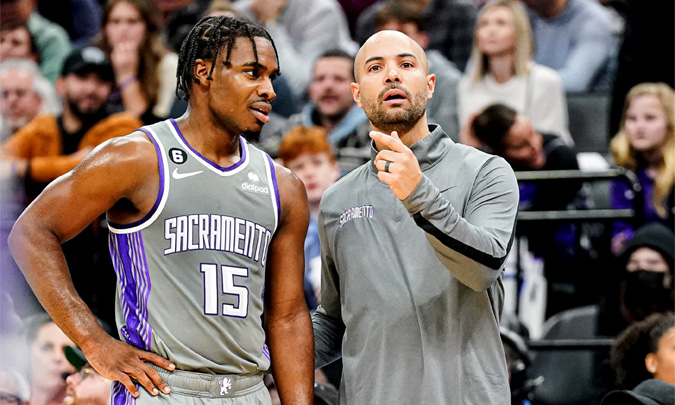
372 58
400 56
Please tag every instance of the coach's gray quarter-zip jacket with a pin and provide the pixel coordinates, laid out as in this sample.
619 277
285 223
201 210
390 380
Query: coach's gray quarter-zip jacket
412 291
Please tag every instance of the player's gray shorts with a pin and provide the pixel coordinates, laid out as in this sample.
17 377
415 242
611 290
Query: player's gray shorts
191 388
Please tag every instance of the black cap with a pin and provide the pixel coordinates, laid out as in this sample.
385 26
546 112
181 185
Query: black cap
655 236
88 59
75 356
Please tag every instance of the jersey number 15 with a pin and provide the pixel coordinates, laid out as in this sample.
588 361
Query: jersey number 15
227 273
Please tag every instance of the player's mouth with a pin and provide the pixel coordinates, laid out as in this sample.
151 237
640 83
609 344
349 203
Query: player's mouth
261 111
394 96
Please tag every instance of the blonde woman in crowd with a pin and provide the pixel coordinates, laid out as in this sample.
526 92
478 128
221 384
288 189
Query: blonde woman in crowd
503 71
645 144
145 69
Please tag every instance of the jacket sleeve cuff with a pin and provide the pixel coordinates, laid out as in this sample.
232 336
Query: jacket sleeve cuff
423 195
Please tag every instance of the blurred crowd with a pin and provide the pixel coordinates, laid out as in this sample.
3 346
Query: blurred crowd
596 264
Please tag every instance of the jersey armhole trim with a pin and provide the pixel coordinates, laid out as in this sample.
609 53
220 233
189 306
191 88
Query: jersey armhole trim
272 179
161 195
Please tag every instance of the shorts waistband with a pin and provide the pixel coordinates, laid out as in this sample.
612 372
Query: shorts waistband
210 385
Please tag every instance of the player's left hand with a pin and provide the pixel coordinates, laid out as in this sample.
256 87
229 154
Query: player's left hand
404 173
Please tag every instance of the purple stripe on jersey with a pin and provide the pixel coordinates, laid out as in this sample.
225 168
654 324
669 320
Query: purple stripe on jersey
275 186
160 160
129 261
242 148
119 395
266 351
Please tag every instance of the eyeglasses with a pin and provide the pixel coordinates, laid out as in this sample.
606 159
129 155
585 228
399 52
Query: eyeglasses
85 372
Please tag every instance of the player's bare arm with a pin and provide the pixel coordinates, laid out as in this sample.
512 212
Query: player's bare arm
289 329
101 182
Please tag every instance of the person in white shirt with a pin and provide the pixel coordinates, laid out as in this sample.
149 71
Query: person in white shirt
503 72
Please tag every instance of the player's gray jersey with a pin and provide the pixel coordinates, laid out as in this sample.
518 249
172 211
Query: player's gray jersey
191 273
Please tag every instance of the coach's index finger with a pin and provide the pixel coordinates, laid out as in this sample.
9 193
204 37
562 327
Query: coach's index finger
392 142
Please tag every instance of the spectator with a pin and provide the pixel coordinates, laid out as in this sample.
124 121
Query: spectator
302 30
645 282
49 146
25 94
48 363
331 105
573 37
18 42
52 40
308 154
646 145
511 136
449 24
145 70
408 19
644 361
85 386
503 72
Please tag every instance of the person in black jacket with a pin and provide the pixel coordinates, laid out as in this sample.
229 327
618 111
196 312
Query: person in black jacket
506 133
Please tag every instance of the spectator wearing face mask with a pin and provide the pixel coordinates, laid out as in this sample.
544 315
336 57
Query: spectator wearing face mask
645 285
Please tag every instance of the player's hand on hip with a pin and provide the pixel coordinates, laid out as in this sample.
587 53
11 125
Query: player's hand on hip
398 167
119 361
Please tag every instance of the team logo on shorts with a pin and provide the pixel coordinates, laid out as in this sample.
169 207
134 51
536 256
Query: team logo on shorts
225 385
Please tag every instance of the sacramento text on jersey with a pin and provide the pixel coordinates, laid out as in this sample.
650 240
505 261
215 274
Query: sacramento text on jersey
217 232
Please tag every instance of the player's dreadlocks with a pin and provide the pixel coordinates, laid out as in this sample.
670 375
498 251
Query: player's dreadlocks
206 39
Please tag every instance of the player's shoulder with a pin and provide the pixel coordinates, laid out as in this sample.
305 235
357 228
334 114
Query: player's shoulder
135 149
287 181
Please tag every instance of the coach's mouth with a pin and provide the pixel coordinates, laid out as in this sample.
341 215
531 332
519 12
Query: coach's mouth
394 96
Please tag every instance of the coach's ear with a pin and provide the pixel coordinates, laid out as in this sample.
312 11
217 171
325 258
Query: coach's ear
356 94
201 72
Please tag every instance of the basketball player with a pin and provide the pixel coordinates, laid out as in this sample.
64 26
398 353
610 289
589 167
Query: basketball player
206 232
413 245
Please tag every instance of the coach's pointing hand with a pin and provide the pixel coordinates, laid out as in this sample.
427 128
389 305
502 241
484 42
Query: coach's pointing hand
397 165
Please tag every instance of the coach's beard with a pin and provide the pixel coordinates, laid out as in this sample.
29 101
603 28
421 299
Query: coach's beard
399 120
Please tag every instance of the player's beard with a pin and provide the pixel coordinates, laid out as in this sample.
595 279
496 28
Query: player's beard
400 120
251 136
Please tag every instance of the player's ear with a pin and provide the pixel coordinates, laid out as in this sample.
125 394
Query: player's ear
201 71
